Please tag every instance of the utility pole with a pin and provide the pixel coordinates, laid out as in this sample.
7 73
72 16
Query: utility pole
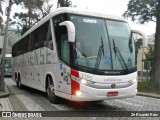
2 84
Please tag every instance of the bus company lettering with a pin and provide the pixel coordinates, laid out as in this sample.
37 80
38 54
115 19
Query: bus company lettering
36 57
112 80
89 21
112 72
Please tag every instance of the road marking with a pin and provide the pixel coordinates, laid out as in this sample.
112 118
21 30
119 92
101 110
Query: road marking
5 105
128 103
29 103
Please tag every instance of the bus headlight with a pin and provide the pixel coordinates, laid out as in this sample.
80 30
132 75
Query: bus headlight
133 81
84 82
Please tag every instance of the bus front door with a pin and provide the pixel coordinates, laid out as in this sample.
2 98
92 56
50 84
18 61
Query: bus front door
64 83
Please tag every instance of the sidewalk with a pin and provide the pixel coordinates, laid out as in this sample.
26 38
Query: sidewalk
5 93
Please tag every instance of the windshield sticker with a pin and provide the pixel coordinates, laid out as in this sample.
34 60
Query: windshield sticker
65 78
60 66
108 59
90 21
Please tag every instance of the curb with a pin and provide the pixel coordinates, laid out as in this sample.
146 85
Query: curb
5 93
152 95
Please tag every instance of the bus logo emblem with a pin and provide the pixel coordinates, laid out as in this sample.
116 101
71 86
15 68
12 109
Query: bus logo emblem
113 85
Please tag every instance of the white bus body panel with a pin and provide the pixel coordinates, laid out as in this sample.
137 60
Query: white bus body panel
93 94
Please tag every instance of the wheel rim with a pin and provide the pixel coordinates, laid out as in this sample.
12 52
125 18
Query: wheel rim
19 82
50 90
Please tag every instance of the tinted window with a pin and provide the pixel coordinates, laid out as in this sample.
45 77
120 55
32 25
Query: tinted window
63 45
37 39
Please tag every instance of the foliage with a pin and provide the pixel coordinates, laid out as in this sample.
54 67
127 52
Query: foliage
144 86
36 10
1 12
1 7
64 3
141 10
149 55
138 43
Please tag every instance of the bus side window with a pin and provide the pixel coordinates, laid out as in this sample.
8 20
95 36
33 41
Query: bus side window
65 48
50 44
37 37
47 36
64 44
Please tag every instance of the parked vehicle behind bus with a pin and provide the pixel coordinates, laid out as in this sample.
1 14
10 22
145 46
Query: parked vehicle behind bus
1 46
8 65
77 55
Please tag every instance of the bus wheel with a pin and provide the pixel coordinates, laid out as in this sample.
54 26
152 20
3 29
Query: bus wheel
19 83
16 79
50 91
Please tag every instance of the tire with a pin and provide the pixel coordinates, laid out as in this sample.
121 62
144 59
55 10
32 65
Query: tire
19 85
16 79
50 91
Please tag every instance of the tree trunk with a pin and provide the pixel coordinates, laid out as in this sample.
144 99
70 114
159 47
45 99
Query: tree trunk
155 74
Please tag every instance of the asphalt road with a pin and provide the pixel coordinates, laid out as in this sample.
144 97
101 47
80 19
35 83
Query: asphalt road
28 99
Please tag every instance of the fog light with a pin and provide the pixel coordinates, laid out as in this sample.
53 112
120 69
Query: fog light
78 93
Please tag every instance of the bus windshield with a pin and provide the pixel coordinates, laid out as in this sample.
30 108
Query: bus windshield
8 62
103 44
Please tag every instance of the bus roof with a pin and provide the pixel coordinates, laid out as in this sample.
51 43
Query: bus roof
74 11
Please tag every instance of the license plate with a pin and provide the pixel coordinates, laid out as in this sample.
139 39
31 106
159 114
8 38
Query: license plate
109 94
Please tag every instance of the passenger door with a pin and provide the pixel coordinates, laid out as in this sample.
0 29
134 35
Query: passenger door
63 47
64 69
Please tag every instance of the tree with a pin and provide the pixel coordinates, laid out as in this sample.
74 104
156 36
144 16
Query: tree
155 74
145 11
36 10
141 10
149 55
1 12
64 3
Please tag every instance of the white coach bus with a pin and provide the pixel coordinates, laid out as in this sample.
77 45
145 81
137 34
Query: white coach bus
77 55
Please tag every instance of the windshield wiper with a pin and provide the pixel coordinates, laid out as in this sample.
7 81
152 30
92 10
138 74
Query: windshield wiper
100 54
120 57
130 43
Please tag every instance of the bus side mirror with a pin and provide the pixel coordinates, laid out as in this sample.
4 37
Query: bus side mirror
70 29
144 37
